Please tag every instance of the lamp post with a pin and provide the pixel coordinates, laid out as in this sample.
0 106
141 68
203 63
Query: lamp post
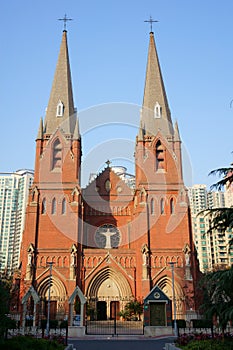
172 264
50 280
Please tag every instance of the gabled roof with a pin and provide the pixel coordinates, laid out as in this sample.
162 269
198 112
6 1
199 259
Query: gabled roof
117 186
156 294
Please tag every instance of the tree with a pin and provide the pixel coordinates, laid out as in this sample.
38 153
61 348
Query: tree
217 290
5 321
134 308
227 180
217 286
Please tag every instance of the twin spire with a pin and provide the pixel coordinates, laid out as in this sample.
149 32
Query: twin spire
60 112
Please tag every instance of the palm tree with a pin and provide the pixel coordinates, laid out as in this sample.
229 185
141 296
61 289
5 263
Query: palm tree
134 308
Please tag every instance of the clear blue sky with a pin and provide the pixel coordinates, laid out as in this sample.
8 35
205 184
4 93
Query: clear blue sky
108 43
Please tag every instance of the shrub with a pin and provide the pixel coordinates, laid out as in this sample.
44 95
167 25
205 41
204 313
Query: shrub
202 323
26 343
53 324
63 324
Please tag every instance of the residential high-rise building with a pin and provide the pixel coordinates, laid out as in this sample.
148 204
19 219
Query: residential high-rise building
212 248
215 199
14 189
229 196
197 198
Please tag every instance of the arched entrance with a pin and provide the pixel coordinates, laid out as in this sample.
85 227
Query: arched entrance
107 294
165 284
58 298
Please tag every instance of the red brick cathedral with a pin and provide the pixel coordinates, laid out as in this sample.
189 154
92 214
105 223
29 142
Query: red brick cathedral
114 239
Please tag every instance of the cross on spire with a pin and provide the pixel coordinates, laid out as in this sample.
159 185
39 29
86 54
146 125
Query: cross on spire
151 21
65 19
108 163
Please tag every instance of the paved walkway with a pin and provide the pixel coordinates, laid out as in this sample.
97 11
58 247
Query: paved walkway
116 343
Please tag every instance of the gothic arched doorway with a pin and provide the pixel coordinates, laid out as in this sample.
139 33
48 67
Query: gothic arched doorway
58 298
107 294
165 284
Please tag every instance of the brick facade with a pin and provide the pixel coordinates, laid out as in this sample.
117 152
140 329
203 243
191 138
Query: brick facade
114 241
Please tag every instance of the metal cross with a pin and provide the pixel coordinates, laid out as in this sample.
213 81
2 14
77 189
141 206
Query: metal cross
151 21
108 163
65 19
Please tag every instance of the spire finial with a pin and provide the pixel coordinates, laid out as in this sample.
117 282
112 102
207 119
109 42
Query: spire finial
108 163
65 19
151 21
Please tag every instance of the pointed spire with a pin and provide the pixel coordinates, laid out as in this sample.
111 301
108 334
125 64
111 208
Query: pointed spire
141 132
40 130
61 105
176 132
76 135
156 113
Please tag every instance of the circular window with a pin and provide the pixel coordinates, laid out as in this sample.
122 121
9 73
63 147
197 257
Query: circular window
107 236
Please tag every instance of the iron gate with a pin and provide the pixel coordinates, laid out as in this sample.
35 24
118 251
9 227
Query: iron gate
103 318
114 327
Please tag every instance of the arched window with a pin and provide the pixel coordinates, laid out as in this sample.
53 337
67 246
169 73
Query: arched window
60 109
63 206
54 206
157 110
152 206
162 206
57 155
172 207
43 208
159 154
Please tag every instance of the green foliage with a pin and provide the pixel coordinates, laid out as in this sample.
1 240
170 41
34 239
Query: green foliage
133 309
204 341
53 324
29 343
208 345
221 219
124 314
203 323
63 324
227 174
5 321
218 296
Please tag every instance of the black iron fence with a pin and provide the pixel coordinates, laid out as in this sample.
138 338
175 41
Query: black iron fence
114 327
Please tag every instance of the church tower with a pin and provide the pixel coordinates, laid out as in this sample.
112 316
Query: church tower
113 241
52 218
161 201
